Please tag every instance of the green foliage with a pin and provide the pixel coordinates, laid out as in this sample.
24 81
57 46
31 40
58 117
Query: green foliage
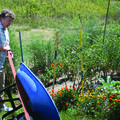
41 54
92 104
36 13
109 86
46 76
95 53
97 104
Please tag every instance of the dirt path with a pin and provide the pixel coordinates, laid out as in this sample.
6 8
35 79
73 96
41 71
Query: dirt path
42 34
59 85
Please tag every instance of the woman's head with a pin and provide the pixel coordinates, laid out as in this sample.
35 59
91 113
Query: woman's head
6 17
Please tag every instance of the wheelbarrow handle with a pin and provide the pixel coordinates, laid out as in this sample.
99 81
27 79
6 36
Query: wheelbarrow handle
9 56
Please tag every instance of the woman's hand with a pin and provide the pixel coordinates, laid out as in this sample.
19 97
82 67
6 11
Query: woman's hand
6 48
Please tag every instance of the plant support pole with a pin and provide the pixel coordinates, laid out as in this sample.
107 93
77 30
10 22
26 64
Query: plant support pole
106 21
55 59
21 46
81 61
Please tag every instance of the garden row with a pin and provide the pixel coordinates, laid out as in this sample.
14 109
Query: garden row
103 102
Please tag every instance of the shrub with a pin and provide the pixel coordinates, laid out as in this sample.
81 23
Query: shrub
95 103
65 98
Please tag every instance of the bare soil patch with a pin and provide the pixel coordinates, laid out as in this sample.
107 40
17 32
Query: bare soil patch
42 34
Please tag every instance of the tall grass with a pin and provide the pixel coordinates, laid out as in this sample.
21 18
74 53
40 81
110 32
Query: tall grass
49 13
42 54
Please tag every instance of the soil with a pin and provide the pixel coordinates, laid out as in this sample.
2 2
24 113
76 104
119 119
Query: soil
60 83
26 36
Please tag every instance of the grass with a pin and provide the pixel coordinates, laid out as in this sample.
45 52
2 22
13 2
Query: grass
66 115
57 13
9 105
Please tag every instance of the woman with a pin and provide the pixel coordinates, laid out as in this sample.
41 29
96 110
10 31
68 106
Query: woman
6 19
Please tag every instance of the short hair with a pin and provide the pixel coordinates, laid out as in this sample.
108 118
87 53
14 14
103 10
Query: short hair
7 13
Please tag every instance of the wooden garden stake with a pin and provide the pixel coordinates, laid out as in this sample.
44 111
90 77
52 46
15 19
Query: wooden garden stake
81 61
55 59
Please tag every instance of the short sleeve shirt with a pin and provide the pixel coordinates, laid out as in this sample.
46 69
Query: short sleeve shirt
4 40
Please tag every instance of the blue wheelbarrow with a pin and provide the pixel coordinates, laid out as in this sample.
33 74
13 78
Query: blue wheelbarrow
35 100
38 102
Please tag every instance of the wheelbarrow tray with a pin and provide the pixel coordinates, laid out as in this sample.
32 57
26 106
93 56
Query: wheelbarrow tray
40 100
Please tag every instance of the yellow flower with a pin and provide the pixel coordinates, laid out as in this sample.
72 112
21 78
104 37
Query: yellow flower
79 99
82 100
97 95
85 95
91 108
90 95
98 88
92 90
88 91
58 91
101 96
98 102
77 104
88 98
81 94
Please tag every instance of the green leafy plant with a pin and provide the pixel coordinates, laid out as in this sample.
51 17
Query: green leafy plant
92 103
65 98
109 85
46 76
